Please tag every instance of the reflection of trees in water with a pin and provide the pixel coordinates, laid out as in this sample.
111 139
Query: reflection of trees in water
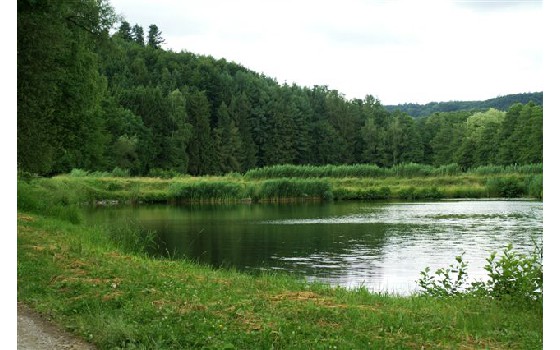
343 243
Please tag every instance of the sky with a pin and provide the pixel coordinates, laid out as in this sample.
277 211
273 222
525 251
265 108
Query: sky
400 51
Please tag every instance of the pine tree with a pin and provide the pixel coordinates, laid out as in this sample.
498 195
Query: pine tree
138 34
125 31
154 37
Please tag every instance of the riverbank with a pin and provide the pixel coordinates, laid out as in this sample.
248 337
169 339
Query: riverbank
83 279
98 283
106 190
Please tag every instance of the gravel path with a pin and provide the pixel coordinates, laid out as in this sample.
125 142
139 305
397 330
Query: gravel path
34 332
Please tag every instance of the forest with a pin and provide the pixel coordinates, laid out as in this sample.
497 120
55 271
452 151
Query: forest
95 92
500 102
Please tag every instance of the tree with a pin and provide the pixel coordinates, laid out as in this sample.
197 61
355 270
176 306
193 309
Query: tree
154 37
138 34
374 132
181 132
200 146
59 91
228 142
482 130
240 112
125 31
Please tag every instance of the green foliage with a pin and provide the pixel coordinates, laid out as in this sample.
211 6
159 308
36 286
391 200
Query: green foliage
507 187
131 237
501 103
536 168
93 102
60 123
287 189
79 173
118 172
203 191
408 170
535 186
50 200
162 173
446 282
515 278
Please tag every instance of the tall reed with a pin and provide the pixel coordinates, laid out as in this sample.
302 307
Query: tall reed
290 189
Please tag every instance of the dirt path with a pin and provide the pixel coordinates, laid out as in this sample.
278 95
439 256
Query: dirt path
34 332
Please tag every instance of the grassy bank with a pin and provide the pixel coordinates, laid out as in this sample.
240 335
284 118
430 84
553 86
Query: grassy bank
97 283
481 183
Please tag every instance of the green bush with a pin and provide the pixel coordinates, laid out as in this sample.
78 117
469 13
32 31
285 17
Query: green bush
408 193
508 187
514 277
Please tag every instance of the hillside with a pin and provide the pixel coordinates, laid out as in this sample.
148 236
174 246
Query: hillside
501 103
96 101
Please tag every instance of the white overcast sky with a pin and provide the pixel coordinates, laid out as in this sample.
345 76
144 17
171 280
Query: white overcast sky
398 51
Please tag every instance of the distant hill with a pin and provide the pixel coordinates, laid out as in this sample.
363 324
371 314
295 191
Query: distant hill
501 103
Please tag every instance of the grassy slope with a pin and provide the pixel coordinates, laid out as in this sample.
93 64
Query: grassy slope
116 300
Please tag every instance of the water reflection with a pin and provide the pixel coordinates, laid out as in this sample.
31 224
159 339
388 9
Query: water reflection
382 246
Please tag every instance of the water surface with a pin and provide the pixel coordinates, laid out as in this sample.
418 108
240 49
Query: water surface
381 246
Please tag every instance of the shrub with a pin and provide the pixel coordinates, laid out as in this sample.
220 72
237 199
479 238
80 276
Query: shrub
508 187
514 277
450 281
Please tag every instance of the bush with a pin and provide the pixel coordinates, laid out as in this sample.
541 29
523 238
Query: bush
514 277
508 187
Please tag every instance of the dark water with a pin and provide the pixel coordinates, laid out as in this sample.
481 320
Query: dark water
382 246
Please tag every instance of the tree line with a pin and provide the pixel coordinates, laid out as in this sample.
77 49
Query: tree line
501 103
94 100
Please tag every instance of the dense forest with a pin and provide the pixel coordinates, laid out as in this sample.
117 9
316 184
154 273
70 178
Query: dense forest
98 93
501 103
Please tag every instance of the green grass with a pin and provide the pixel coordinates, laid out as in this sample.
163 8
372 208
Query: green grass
56 192
88 281
373 171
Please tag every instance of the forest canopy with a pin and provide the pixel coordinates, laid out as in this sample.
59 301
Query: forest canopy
97 93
